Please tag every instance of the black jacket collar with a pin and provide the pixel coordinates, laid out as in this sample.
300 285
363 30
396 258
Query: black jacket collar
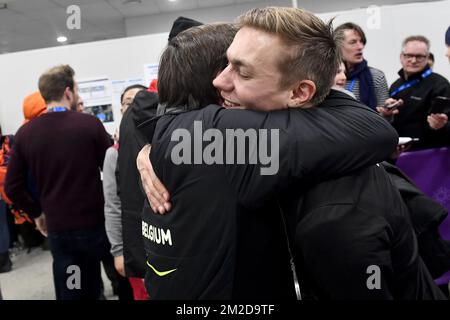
417 75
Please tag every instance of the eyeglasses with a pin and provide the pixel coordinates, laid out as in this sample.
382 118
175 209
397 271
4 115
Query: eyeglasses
419 57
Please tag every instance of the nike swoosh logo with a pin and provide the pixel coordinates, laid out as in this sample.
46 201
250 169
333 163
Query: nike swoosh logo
160 273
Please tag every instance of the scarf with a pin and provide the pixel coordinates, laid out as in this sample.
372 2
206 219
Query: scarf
366 89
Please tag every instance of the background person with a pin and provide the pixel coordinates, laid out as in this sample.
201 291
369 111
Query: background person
114 218
368 84
416 91
252 67
63 150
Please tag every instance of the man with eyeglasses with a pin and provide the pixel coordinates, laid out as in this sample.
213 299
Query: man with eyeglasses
417 113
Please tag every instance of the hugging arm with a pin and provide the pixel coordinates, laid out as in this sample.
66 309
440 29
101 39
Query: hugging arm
306 146
292 147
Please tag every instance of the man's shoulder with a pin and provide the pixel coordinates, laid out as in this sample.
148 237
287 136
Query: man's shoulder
437 78
358 190
196 113
339 98
144 106
399 81
44 119
377 73
178 119
31 127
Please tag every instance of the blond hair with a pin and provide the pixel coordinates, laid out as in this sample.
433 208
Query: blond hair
313 50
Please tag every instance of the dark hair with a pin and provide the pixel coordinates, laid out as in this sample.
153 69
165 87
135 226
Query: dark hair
431 56
54 82
190 63
312 51
134 86
351 26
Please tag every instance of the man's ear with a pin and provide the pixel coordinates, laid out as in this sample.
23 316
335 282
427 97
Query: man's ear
68 93
302 93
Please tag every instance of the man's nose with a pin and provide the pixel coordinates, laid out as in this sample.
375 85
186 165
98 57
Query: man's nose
223 80
360 46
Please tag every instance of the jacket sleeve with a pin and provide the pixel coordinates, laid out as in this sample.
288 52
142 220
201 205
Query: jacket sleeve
16 182
426 215
381 90
305 146
103 140
113 213
358 256
364 250
441 88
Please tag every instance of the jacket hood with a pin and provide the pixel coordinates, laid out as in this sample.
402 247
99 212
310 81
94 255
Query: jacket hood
144 106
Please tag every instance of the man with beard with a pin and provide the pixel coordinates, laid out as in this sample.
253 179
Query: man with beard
63 151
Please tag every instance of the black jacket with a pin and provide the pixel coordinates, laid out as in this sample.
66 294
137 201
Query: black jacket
360 230
426 216
131 197
418 101
224 237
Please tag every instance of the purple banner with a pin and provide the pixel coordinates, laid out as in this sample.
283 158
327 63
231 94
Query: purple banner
430 170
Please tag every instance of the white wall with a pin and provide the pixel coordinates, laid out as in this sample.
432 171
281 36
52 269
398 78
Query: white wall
118 59
383 47
124 58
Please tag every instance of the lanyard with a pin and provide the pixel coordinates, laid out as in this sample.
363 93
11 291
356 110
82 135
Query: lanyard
351 85
57 109
411 83
293 268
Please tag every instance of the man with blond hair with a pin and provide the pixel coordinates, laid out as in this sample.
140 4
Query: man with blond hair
232 223
63 150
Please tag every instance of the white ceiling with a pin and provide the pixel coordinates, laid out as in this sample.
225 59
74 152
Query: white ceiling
31 24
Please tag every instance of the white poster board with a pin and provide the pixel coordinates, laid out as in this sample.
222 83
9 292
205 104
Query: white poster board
97 97
150 72
118 86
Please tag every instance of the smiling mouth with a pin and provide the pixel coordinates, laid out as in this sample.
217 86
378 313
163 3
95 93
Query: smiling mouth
230 104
